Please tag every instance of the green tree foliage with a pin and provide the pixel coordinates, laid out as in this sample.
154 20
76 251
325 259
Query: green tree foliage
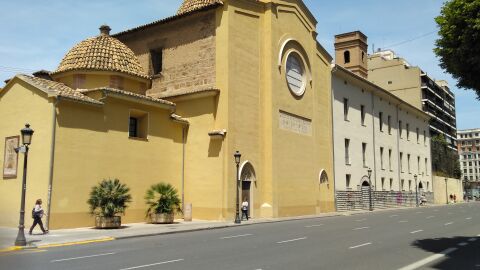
109 198
162 198
458 46
444 161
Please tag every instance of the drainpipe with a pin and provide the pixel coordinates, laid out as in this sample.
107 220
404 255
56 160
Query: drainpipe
52 159
184 129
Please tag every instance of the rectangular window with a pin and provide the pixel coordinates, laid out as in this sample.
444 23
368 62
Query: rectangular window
380 120
409 184
389 119
424 137
347 180
418 135
381 158
345 109
362 114
402 183
347 151
401 162
78 81
157 60
391 183
138 124
116 82
133 127
400 128
390 159
383 183
408 131
408 163
418 165
426 166
364 154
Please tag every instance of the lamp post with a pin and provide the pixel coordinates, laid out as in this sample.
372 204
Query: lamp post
370 188
237 156
416 189
27 134
446 190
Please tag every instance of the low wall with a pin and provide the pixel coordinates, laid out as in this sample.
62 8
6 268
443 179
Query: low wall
351 200
443 190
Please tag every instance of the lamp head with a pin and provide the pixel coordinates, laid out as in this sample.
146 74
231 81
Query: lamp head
237 156
27 134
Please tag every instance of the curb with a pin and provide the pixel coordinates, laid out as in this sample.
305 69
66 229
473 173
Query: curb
83 242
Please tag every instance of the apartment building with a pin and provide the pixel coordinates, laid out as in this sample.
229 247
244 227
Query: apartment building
412 84
374 130
469 152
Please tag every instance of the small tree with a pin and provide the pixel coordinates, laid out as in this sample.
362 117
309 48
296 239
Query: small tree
458 45
109 198
162 199
444 161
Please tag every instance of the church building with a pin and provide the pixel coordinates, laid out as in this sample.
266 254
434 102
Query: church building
172 101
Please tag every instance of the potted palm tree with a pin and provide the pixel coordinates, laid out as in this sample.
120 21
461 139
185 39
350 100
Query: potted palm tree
107 200
163 201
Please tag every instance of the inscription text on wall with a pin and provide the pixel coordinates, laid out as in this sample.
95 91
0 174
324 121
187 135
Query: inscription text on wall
295 123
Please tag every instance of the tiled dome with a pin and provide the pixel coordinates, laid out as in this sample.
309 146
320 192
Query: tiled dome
191 5
102 53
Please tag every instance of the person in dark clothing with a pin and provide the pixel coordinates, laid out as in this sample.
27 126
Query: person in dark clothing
37 214
245 208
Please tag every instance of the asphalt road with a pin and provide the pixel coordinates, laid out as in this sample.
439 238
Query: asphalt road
445 237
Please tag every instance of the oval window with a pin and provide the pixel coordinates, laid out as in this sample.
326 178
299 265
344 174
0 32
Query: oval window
295 74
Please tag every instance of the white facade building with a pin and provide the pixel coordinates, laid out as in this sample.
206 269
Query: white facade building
373 129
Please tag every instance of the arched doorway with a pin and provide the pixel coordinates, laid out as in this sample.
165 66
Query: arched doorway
365 189
247 178
420 188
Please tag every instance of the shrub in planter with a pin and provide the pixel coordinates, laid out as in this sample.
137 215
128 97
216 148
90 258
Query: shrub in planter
163 201
107 200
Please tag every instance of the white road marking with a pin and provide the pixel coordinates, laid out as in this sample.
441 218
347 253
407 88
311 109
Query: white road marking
468 218
152 264
362 245
361 228
82 257
394 216
472 239
292 240
403 221
462 244
363 219
430 217
236 236
417 231
448 223
315 225
419 212
427 260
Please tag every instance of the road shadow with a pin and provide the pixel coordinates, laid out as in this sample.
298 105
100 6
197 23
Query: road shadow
466 257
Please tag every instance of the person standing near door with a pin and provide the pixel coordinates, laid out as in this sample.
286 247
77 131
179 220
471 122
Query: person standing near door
245 208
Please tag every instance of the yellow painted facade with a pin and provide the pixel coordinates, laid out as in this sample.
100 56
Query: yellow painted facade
285 139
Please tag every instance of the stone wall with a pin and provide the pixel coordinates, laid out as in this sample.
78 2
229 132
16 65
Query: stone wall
188 52
453 187
352 200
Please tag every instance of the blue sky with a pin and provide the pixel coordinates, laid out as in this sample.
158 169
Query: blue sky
36 34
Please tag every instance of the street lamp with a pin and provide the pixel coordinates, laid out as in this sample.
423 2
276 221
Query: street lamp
27 134
370 188
446 190
237 156
416 188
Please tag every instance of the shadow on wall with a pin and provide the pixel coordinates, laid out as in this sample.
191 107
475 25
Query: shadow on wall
464 257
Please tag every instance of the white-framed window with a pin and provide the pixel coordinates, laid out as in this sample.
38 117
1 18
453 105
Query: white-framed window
401 162
381 158
383 183
362 114
400 128
408 163
347 151
347 180
390 159
295 74
408 131
389 123
364 154
380 120
345 109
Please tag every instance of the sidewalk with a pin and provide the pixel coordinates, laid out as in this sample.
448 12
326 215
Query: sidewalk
65 237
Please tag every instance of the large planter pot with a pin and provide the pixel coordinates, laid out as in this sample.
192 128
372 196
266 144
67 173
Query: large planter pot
162 218
108 222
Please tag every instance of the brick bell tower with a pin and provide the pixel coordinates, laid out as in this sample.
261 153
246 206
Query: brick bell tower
351 52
